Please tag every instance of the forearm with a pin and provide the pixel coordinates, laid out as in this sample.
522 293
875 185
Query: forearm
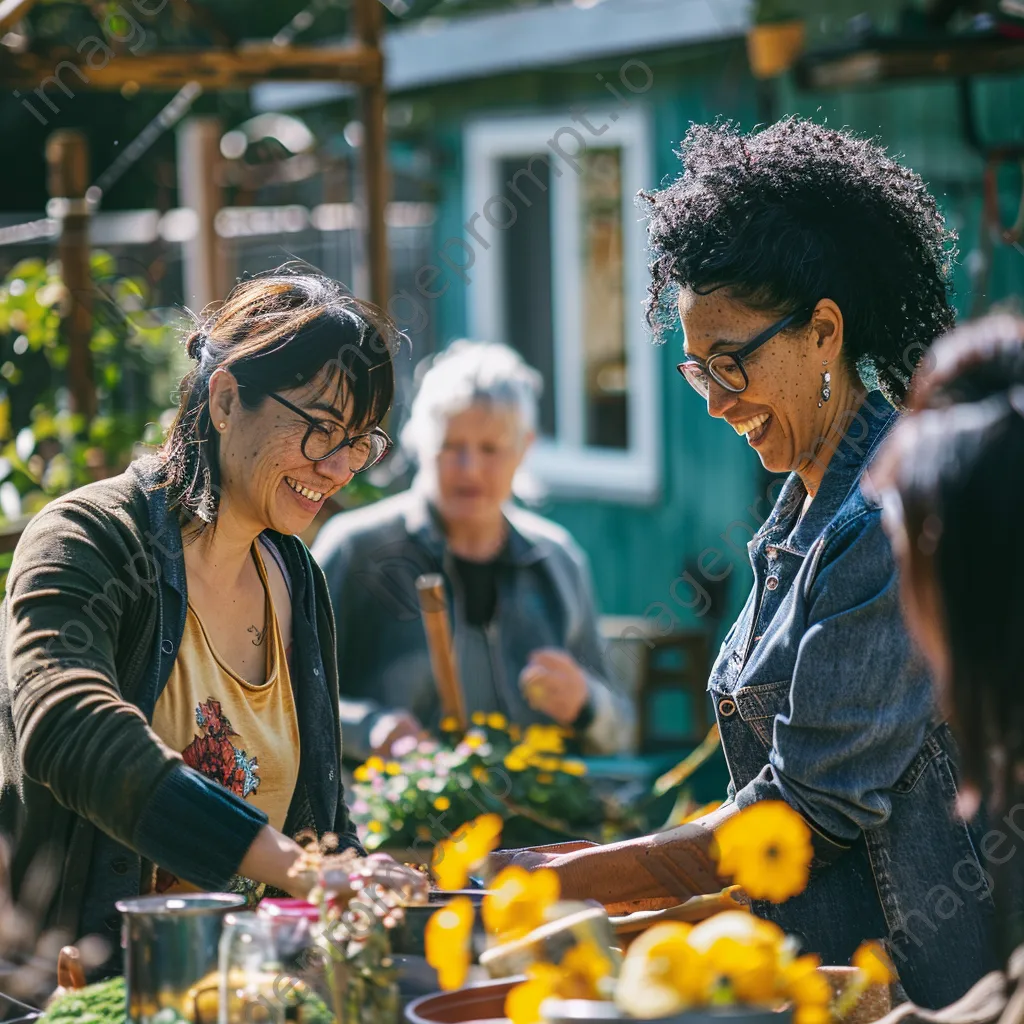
646 873
270 858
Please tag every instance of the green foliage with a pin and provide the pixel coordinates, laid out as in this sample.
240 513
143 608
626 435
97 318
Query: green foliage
767 12
45 449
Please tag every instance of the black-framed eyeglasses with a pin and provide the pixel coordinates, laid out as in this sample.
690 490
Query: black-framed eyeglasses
726 368
325 438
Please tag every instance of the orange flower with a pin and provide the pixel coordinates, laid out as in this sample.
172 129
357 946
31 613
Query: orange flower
766 848
517 901
454 858
447 938
660 974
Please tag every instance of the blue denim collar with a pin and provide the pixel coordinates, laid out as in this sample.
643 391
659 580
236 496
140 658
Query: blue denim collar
858 443
423 522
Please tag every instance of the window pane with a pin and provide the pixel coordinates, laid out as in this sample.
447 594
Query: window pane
526 282
604 336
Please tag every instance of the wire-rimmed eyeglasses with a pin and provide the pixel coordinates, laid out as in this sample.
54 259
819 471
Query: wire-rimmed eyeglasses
325 438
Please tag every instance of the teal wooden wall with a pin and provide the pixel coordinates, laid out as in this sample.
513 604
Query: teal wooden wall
714 493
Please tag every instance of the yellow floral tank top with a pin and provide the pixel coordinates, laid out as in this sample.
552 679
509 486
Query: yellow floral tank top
245 737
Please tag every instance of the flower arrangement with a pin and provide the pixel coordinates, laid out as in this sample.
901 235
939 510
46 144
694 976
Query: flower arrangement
731 960
433 786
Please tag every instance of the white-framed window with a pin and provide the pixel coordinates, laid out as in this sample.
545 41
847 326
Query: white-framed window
560 274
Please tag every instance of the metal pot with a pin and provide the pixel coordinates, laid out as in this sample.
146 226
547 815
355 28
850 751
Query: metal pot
170 943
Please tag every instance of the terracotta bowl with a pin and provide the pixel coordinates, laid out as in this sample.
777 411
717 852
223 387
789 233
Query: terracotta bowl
481 1004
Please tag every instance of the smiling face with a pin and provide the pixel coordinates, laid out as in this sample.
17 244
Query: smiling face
482 449
778 411
267 480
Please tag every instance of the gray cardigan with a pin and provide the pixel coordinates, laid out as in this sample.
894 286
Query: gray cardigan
371 558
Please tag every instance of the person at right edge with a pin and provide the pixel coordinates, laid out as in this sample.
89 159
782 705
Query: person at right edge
810 272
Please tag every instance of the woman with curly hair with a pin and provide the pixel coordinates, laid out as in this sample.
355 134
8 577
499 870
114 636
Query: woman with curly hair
810 272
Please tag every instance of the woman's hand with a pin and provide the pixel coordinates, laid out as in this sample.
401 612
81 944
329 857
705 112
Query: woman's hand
554 684
271 858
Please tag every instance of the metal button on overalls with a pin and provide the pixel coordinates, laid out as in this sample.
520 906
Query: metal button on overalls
726 707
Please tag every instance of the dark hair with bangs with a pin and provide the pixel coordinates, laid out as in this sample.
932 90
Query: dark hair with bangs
793 213
285 329
957 467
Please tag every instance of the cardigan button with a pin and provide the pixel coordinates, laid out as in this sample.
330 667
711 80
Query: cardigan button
167 647
119 865
113 922
726 707
772 582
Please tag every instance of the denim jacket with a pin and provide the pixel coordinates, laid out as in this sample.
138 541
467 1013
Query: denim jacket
372 556
823 702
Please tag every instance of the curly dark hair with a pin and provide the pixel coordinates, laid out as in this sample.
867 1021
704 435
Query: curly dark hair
786 215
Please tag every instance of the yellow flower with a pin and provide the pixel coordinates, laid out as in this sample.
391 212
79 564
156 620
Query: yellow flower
659 973
740 958
548 764
474 740
478 718
496 720
584 968
375 764
545 739
467 846
522 1004
517 901
515 762
423 832
449 724
805 984
393 768
361 774
874 961
545 778
812 1014
447 939
573 767
766 849
514 732
374 826
442 803
480 773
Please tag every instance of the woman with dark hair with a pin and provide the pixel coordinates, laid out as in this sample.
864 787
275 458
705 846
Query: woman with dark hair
810 272
950 476
170 711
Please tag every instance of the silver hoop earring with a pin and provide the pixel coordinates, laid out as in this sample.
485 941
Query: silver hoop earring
826 385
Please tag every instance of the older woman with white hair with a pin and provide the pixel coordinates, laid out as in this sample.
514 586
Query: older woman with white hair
522 610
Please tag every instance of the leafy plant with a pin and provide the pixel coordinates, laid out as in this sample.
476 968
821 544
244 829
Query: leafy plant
45 447
522 777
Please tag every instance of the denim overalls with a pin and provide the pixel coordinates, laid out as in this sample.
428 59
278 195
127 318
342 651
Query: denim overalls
823 702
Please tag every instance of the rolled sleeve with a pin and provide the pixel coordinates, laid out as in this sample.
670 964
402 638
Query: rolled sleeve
860 701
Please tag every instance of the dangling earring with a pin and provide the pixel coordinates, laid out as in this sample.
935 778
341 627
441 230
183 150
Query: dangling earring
826 385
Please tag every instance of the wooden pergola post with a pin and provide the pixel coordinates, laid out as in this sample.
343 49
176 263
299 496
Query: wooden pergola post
368 16
206 266
67 157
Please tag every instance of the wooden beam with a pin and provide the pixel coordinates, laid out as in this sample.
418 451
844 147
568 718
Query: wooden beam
12 11
376 181
69 71
954 58
67 158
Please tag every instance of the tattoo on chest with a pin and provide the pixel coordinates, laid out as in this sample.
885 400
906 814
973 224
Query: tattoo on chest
260 635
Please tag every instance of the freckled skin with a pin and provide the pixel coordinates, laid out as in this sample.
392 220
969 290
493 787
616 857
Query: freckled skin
259 449
784 378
